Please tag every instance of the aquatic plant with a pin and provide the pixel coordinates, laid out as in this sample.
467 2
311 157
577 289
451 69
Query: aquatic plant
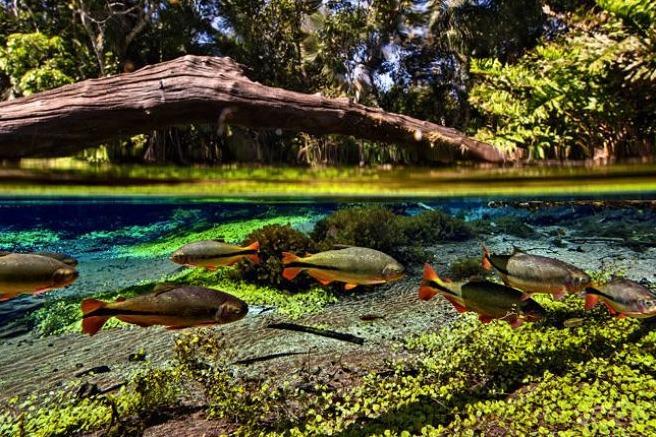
466 268
232 232
434 227
379 228
375 227
28 239
275 239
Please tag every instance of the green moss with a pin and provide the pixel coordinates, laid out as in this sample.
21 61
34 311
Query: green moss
28 239
233 232
66 411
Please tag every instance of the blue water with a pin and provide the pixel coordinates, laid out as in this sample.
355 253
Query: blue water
97 231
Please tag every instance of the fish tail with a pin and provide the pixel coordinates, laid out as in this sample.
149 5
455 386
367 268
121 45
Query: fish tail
92 324
431 276
290 273
485 262
426 292
288 258
253 246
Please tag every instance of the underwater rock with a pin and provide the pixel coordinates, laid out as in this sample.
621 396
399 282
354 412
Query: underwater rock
94 371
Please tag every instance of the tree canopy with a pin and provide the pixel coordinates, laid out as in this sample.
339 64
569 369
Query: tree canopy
543 78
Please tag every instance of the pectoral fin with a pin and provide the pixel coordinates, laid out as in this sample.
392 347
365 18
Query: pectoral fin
591 300
461 309
485 319
350 286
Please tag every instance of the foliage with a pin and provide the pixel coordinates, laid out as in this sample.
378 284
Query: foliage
28 239
577 92
35 62
275 239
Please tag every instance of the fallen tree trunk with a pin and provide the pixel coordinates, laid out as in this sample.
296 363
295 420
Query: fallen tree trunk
209 90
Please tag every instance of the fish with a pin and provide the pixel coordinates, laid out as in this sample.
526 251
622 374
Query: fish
66 259
433 285
623 298
212 254
536 274
495 301
352 265
23 273
170 305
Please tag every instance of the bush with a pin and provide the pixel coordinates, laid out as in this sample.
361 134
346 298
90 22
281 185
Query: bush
434 227
275 239
375 227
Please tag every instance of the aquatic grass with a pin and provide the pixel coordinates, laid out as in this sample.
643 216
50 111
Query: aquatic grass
232 232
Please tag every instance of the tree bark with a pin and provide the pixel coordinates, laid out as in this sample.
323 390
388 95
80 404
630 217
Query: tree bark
190 89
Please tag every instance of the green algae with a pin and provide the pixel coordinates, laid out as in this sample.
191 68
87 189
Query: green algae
28 239
233 232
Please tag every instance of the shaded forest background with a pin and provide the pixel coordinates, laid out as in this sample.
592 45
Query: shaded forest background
542 79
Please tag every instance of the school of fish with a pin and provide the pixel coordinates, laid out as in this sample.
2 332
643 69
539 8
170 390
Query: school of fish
178 306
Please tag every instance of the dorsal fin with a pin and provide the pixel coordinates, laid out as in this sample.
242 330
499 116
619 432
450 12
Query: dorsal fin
164 287
341 246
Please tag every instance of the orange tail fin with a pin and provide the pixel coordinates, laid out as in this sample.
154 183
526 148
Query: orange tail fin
290 273
288 257
485 262
92 324
253 246
426 292
429 273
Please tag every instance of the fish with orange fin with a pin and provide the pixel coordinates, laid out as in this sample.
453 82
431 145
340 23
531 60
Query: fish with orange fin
23 273
433 285
352 265
212 254
170 305
536 274
623 298
491 301
495 301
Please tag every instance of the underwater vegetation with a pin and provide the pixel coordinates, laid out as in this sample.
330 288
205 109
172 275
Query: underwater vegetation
275 239
233 232
462 378
377 227
575 372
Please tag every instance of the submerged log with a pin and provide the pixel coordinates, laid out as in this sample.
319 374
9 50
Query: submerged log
202 89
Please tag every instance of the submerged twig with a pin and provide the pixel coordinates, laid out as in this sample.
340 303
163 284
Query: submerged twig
248 361
316 331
